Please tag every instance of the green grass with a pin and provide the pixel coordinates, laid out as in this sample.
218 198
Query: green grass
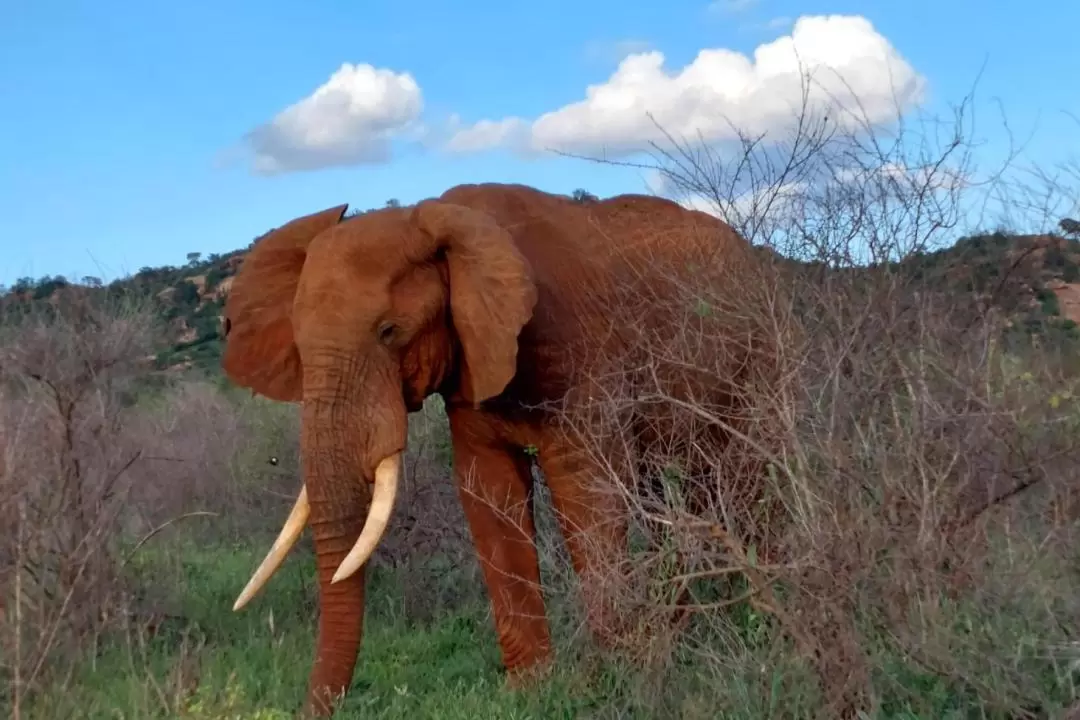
218 664
209 662
213 663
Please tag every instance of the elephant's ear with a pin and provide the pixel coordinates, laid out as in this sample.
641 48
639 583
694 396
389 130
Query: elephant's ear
260 352
492 294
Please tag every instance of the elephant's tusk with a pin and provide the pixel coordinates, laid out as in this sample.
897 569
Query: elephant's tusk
290 533
387 476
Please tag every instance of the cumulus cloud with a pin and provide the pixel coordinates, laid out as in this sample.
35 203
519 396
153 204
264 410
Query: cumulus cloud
350 119
849 60
872 184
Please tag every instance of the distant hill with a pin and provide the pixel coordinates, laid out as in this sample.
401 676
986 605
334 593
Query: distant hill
1033 279
190 299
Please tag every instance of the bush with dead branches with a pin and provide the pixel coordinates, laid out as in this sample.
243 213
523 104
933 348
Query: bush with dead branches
101 459
889 492
67 377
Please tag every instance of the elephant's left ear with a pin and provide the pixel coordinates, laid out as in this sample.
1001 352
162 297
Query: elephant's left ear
260 350
492 294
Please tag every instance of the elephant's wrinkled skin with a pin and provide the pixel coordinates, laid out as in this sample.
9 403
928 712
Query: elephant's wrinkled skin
494 296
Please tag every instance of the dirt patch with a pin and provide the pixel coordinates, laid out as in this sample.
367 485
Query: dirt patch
1068 295
222 288
189 335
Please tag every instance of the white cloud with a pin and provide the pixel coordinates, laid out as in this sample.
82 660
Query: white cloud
722 88
776 204
350 119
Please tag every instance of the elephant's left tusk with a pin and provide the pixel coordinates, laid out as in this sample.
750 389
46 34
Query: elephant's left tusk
387 475
290 533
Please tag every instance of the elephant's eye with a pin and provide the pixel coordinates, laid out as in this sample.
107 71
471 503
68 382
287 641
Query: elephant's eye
386 332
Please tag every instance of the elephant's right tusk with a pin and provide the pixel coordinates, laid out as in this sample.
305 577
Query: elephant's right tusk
290 533
387 476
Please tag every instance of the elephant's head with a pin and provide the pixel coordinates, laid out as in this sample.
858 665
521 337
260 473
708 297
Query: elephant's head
360 319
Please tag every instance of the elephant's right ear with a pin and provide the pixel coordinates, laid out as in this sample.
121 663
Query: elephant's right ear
260 351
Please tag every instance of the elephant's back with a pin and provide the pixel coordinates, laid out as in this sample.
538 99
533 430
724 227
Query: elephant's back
659 229
553 229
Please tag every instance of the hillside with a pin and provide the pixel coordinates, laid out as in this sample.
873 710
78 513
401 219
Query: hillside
190 299
1033 279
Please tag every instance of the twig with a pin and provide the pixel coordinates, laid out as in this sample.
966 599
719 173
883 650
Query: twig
163 526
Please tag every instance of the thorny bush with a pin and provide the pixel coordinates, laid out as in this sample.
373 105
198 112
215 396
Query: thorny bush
65 369
99 456
898 496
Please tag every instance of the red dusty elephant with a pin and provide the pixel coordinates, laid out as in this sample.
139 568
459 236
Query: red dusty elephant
500 298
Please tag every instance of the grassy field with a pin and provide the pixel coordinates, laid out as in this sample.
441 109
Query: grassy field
213 663
204 661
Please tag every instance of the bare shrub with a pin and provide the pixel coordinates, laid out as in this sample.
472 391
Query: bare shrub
67 377
99 465
229 454
885 492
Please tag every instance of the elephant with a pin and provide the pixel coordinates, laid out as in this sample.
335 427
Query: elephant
502 299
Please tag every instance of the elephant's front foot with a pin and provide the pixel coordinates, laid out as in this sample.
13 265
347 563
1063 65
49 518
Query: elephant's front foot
526 645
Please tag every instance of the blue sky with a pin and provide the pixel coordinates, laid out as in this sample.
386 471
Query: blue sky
133 133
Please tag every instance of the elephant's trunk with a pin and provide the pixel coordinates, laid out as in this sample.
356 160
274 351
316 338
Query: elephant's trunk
341 618
346 446
352 435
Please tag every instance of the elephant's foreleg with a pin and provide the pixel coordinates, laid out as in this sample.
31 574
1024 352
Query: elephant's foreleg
496 494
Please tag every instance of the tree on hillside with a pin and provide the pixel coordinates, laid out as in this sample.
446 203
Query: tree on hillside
187 294
1070 226
583 196
46 286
